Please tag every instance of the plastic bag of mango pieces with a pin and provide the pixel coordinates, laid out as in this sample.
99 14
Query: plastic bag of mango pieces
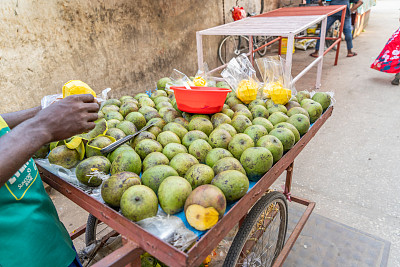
74 87
276 92
247 90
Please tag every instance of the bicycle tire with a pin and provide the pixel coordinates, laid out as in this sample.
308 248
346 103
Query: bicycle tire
91 228
222 49
252 219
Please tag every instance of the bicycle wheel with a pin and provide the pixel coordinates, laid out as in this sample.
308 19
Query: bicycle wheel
232 46
95 230
261 237
261 40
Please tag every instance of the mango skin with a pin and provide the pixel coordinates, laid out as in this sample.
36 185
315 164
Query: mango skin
228 163
64 157
208 196
154 176
113 188
85 167
172 194
139 202
127 160
232 183
199 174
256 161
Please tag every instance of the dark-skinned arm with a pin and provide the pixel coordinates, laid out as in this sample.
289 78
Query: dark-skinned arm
15 118
355 6
73 115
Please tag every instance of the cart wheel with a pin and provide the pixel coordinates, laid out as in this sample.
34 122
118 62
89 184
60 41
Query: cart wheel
95 230
261 237
91 229
232 46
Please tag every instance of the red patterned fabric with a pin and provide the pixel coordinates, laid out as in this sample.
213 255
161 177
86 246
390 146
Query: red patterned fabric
389 59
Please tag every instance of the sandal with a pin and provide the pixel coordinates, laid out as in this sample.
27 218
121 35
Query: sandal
352 54
396 80
315 54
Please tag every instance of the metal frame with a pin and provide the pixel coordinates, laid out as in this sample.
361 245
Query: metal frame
265 25
137 240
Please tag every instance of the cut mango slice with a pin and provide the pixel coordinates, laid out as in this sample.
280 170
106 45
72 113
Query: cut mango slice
199 81
201 218
247 90
76 87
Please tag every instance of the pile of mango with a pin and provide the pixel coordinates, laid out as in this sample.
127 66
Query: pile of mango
192 162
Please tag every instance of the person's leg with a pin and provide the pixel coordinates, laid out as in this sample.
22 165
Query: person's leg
396 80
329 22
348 37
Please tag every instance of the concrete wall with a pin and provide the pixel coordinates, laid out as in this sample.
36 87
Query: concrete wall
126 45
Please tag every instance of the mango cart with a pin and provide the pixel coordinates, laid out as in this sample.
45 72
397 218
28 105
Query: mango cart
252 213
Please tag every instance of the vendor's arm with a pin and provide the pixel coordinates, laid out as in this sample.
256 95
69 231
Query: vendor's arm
73 115
356 5
15 118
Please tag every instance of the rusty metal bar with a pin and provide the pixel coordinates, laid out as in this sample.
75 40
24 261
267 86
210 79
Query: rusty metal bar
315 37
211 239
122 256
296 231
340 35
156 247
289 176
77 232
271 42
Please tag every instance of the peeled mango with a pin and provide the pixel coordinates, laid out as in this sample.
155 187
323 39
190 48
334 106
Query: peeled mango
247 90
76 87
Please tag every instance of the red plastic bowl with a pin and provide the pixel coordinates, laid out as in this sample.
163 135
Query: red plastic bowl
202 100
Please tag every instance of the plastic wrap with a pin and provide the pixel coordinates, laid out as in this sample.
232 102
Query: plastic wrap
278 84
170 229
330 93
241 77
69 176
50 99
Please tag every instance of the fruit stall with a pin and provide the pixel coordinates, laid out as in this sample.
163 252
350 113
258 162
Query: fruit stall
195 160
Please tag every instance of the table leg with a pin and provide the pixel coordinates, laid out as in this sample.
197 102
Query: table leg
251 49
289 54
199 50
289 175
340 36
321 53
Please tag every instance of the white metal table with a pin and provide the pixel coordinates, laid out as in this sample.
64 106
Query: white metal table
284 22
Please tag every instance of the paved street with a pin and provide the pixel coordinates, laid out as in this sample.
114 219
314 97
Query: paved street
351 168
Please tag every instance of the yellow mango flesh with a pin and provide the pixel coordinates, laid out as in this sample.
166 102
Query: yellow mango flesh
247 91
76 87
201 218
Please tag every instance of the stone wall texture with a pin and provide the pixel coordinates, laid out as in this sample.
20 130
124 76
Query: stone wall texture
125 45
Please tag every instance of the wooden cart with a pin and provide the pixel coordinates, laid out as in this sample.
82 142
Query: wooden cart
136 240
